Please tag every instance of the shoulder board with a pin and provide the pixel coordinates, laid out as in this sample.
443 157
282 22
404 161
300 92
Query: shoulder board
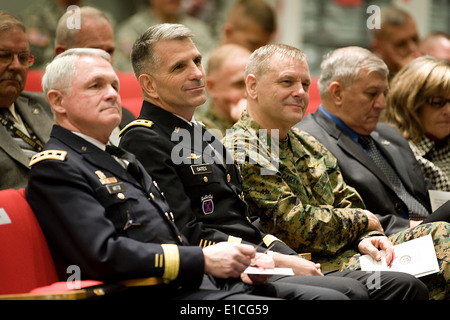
138 122
48 154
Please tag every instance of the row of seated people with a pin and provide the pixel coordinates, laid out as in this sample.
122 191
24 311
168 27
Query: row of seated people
90 237
209 202
43 191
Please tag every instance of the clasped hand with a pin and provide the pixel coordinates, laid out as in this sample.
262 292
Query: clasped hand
227 260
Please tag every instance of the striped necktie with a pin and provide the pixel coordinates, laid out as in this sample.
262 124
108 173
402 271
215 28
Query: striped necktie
416 210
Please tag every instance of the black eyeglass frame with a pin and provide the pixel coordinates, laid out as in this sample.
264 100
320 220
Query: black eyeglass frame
437 102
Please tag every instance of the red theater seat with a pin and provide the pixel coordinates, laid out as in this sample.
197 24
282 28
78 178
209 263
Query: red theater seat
27 270
314 97
34 80
26 259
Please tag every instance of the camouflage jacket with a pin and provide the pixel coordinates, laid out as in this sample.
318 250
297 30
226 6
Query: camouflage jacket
213 120
297 190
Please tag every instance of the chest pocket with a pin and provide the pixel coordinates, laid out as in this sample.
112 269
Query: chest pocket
200 181
200 176
321 186
131 213
117 202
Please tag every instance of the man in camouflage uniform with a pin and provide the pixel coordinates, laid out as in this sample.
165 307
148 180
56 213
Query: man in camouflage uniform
293 182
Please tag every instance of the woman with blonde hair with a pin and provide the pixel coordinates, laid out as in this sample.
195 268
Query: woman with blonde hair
419 106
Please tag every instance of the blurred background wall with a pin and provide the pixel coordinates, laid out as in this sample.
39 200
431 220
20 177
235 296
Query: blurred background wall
315 26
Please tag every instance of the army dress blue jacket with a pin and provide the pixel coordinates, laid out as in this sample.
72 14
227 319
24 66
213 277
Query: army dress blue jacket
98 217
202 183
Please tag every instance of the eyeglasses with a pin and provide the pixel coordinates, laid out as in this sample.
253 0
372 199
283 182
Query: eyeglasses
437 102
26 59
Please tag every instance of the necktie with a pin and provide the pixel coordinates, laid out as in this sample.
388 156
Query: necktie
416 210
28 143
132 167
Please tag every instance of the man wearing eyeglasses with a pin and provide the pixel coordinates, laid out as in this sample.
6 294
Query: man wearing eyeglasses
25 117
373 157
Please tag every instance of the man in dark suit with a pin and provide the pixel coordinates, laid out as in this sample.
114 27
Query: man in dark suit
25 117
194 168
353 86
114 222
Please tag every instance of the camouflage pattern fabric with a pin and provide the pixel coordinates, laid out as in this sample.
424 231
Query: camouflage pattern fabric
303 194
213 120
438 284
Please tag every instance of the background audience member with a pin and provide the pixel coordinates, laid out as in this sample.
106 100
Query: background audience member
436 44
225 83
419 106
201 182
293 183
95 32
397 40
109 226
160 11
250 23
373 157
26 118
41 18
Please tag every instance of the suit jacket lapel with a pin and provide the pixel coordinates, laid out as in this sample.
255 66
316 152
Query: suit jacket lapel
349 146
34 116
12 148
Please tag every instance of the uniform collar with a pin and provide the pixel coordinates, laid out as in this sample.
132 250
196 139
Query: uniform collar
95 142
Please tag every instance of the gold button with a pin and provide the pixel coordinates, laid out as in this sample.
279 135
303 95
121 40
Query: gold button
152 196
121 196
205 179
83 148
228 177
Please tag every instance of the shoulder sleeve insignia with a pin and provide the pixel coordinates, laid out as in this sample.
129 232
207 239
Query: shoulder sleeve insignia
48 154
138 122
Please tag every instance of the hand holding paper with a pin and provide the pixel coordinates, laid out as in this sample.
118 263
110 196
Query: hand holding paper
416 257
372 246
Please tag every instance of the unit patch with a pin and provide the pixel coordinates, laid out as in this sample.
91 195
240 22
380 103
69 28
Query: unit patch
207 204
